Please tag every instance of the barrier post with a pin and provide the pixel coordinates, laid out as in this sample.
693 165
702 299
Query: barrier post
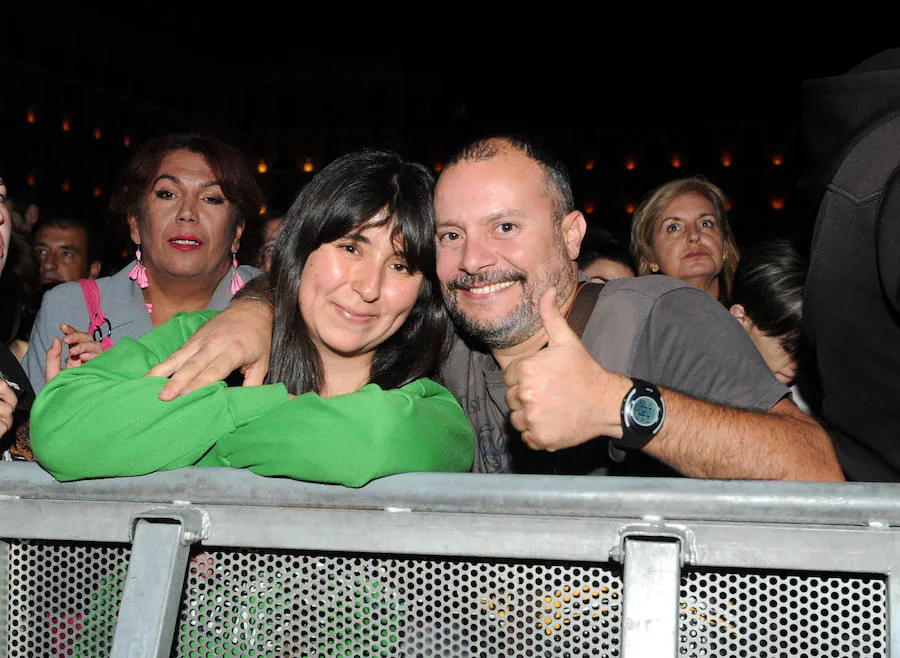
651 581
159 556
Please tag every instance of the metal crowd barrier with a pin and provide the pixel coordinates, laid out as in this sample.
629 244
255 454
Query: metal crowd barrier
221 562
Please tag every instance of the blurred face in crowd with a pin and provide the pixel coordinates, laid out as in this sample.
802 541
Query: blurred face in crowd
601 270
62 252
355 293
782 364
24 222
687 242
499 247
270 232
187 227
5 226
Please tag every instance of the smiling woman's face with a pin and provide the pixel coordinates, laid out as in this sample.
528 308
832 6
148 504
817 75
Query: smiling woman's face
5 226
356 292
687 241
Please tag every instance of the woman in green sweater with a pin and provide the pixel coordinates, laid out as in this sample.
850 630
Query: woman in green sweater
358 326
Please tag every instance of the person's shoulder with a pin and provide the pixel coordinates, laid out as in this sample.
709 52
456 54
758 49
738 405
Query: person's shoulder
114 282
660 299
626 307
62 294
654 286
69 294
249 272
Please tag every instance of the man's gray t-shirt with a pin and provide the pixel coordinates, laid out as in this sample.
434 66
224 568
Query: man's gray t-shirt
655 328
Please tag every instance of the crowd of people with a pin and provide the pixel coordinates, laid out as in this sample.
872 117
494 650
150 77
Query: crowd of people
394 321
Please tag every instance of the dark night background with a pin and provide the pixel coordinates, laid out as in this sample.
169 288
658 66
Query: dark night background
285 98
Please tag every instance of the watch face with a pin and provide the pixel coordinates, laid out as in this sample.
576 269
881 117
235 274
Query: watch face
645 411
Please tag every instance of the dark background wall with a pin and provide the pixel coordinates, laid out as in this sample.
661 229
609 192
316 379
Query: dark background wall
624 117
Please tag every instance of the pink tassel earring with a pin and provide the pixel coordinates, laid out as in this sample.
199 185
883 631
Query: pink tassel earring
236 281
139 272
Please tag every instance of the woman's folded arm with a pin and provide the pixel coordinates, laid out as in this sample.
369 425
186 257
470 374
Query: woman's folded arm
354 438
105 419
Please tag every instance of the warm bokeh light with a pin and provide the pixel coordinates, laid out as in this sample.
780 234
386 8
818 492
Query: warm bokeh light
656 161
728 203
263 209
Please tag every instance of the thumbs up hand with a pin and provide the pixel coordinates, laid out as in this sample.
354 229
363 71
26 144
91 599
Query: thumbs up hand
560 396
555 323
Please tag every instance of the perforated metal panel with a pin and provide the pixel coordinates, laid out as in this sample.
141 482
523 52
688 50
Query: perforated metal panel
766 615
281 604
63 599
4 593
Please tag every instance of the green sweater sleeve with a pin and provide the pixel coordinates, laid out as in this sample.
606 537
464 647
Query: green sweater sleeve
104 418
352 439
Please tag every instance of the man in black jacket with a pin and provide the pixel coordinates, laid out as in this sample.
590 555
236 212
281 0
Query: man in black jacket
852 305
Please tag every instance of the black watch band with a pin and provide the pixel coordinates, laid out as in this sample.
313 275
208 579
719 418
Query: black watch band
643 412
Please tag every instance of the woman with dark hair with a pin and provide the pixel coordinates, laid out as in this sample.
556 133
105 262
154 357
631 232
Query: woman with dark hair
186 199
358 326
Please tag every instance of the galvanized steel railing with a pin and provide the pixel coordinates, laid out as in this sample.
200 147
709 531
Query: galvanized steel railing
221 562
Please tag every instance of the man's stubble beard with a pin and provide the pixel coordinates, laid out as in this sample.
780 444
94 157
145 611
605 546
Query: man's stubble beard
524 321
